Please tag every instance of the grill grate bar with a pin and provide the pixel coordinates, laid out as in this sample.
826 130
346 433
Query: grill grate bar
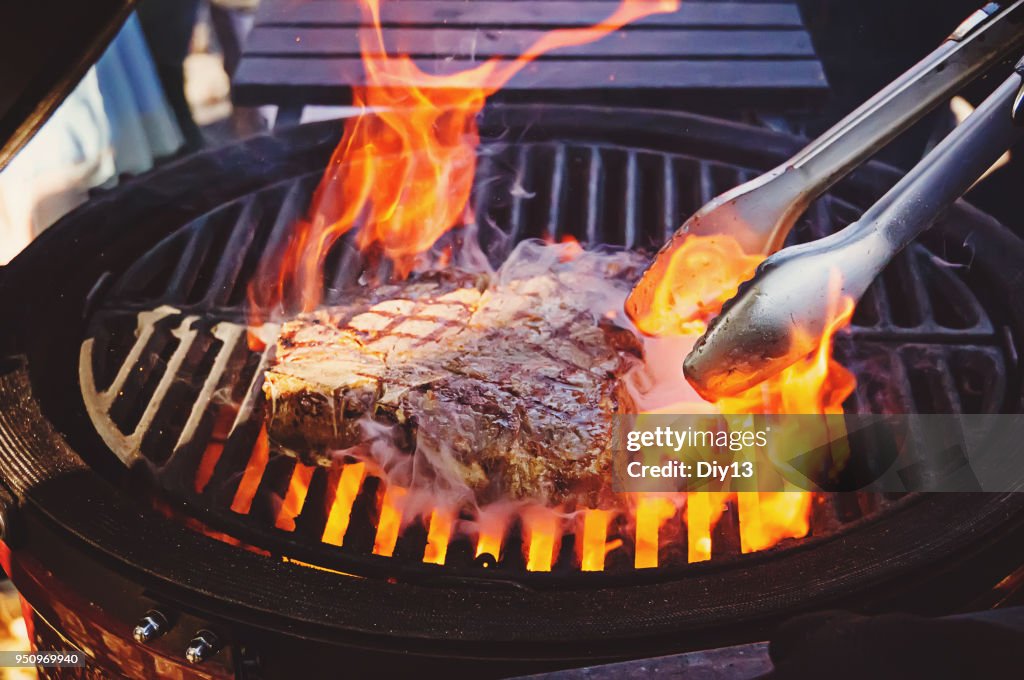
594 191
229 335
629 227
226 274
266 334
555 223
670 208
197 247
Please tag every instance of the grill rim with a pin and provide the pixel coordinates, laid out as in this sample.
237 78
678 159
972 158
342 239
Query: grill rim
30 305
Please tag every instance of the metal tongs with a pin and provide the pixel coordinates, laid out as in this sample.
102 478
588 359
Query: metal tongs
778 317
747 344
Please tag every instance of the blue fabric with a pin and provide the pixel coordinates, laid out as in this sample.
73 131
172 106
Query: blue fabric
142 124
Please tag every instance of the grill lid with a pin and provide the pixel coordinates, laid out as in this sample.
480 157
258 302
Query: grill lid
53 43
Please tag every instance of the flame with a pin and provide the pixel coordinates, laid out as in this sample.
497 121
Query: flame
349 483
390 521
710 268
651 513
295 497
767 518
254 469
542 528
403 172
703 510
816 385
596 546
222 423
691 286
400 179
438 535
207 464
491 533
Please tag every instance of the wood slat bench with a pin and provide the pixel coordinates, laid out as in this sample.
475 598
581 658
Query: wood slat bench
708 55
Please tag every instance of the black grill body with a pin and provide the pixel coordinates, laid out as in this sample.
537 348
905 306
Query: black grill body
933 335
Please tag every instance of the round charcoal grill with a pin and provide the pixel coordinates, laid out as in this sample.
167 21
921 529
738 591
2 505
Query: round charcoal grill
129 347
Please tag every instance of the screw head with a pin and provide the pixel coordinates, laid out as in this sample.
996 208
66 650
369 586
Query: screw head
485 560
151 626
204 645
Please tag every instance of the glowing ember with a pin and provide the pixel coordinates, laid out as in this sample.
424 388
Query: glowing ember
254 469
542 528
295 497
651 513
403 171
438 535
349 482
390 521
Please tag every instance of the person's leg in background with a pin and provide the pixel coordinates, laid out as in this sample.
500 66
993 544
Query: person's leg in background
168 26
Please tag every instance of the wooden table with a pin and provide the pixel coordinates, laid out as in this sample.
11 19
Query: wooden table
707 56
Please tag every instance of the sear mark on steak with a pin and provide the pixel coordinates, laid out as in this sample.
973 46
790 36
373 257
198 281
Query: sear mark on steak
508 390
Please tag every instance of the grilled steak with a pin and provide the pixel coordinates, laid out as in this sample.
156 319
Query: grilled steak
508 389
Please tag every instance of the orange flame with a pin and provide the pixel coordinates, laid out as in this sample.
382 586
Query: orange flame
651 513
596 546
404 169
701 274
816 385
542 529
250 481
222 423
710 268
390 521
207 464
295 497
491 533
349 483
438 535
767 518
703 510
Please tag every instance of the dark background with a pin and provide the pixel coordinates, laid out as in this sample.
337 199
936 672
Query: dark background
865 44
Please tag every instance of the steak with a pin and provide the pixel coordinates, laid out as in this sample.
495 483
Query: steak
507 389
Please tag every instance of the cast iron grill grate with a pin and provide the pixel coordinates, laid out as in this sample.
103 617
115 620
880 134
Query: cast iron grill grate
171 384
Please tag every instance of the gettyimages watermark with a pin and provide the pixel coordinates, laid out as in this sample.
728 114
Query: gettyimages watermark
881 453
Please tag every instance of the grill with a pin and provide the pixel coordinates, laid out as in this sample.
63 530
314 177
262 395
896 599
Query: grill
137 351
169 381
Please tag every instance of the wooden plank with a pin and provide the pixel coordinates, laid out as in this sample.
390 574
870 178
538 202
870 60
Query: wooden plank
480 44
535 13
324 81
